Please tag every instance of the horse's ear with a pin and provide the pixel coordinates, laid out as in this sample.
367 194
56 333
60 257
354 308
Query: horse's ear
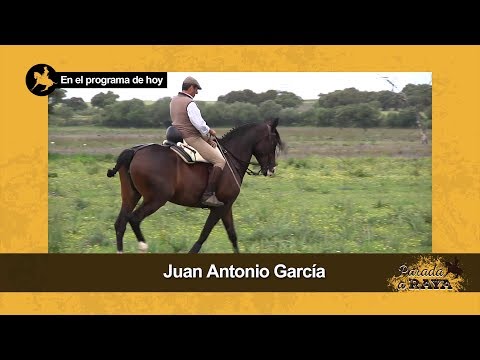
273 123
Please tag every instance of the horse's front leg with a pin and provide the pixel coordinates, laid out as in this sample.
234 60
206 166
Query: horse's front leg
227 220
212 220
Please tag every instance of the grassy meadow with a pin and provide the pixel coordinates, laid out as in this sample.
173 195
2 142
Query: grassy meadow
335 191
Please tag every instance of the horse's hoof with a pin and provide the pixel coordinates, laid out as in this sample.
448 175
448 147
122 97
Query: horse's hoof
195 249
142 247
119 252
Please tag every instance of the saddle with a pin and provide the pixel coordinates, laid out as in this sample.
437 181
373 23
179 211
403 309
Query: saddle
177 144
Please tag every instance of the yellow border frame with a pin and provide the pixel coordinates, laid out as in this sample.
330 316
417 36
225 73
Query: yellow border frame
456 154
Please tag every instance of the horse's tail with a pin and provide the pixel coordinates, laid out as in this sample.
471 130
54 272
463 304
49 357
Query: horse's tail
124 159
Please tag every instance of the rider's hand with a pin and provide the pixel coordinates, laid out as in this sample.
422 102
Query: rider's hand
212 143
212 132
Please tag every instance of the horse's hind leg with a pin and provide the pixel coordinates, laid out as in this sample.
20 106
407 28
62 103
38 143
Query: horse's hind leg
128 204
227 220
212 220
148 207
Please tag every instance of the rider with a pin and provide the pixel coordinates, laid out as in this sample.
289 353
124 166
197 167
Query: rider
45 72
186 117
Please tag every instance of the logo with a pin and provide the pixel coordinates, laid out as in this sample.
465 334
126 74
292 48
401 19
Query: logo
41 79
429 273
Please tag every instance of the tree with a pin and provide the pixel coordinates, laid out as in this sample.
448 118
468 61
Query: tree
359 115
101 100
405 118
289 117
265 96
160 112
318 117
64 112
288 99
389 100
324 117
244 113
214 114
343 97
55 98
75 103
343 116
129 113
239 96
269 109
366 116
428 112
419 96
408 117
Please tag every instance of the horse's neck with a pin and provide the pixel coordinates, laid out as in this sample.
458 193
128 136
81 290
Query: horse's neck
241 148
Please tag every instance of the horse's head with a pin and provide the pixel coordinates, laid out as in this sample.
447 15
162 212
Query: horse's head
265 150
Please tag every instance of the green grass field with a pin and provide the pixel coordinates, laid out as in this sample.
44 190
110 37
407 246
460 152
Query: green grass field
301 141
335 191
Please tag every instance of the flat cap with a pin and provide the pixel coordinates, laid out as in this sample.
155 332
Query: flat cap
192 81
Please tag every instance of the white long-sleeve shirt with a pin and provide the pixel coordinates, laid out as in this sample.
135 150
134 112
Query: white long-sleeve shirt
196 118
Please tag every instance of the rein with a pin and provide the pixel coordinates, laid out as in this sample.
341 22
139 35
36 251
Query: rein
249 171
224 150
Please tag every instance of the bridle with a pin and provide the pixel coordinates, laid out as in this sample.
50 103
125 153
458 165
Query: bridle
224 150
249 171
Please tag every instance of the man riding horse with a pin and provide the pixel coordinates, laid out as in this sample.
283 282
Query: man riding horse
187 118
42 79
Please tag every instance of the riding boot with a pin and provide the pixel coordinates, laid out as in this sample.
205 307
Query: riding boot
208 197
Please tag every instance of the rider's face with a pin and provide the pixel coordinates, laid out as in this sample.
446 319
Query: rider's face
193 90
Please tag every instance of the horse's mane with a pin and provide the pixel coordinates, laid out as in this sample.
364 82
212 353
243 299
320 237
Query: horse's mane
236 131
241 129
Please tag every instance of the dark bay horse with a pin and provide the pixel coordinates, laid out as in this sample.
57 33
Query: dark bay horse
159 175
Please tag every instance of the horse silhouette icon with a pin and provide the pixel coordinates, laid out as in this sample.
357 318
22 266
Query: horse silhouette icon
454 268
42 79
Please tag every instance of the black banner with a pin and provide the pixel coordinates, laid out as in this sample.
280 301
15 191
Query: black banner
42 79
238 273
110 79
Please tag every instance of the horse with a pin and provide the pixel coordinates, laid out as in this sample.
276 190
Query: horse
159 175
42 79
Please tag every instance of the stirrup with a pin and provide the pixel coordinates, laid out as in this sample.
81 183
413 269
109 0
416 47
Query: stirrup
211 201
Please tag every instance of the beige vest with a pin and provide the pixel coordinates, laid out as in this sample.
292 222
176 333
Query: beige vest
179 116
